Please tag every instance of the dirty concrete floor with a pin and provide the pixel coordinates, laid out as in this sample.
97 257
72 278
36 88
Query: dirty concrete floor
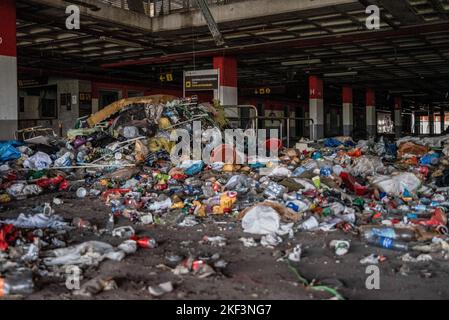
252 273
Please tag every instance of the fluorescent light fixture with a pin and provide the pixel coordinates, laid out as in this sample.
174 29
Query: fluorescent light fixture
341 74
400 91
415 95
298 62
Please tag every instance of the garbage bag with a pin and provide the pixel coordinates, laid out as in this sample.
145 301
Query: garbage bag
38 161
429 159
412 148
261 220
332 143
22 190
365 166
396 184
8 151
37 221
195 168
84 254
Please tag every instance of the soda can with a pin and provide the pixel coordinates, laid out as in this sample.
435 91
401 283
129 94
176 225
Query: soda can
146 242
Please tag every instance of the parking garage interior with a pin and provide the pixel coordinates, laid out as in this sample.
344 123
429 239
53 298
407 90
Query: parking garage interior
277 52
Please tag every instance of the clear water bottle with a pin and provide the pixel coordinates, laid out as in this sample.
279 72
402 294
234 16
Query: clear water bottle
19 282
208 189
403 234
110 223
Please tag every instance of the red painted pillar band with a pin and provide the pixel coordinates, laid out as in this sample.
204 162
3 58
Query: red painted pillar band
315 87
370 97
228 70
347 94
8 28
8 69
316 107
397 103
227 92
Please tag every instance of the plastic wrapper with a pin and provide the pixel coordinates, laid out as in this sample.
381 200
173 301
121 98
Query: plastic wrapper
38 161
396 184
261 220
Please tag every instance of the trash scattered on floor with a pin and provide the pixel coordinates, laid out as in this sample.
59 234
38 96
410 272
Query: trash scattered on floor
161 289
389 195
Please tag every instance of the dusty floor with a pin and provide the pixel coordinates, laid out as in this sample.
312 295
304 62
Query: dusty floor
252 273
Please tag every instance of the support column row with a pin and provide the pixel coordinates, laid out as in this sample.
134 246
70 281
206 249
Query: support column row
8 70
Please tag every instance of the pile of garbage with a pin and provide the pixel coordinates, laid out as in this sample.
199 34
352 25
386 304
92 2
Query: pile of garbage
394 195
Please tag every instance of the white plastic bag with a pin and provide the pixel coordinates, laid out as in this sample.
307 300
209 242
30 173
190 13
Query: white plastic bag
38 161
261 220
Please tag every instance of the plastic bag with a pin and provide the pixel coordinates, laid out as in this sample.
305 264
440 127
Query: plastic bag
261 220
8 151
39 161
365 166
397 184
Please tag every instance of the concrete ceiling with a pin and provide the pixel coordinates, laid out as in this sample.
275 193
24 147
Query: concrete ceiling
410 52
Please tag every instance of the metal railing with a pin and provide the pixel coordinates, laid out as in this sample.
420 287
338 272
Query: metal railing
283 122
155 8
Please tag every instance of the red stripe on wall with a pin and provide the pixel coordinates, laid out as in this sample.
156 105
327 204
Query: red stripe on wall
8 28
228 70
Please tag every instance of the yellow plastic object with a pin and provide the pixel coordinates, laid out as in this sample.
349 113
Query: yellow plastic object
164 123
4 198
178 205
227 201
158 143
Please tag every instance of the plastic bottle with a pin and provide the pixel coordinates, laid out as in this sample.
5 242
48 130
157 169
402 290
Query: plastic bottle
208 190
388 243
19 282
110 223
370 232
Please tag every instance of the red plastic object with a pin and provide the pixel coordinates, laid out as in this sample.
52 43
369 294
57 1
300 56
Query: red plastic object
353 185
356 153
64 185
273 144
224 153
7 235
47 182
110 191
438 218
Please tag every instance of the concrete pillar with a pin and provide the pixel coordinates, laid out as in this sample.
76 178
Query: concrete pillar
316 107
348 116
398 116
227 92
371 118
8 70
431 120
417 124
